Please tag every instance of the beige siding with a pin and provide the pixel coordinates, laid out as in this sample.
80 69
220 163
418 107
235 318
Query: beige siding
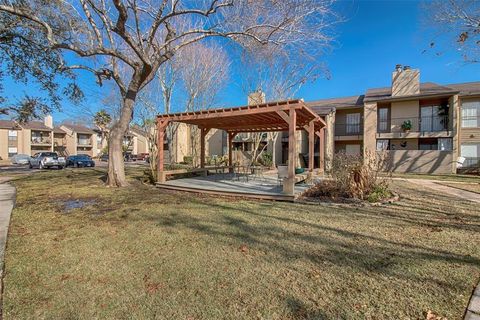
404 144
370 127
420 161
403 111
4 144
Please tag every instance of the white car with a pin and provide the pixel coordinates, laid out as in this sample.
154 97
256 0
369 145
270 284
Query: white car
44 160
20 159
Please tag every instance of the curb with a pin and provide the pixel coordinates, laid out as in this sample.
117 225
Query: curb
7 202
473 309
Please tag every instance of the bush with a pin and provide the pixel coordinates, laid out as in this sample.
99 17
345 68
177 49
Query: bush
354 176
266 159
188 160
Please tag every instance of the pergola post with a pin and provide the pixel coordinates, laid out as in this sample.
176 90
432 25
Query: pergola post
321 151
203 134
161 126
231 136
289 183
311 146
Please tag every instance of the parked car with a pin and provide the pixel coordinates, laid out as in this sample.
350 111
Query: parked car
143 156
128 156
44 160
104 157
81 160
20 159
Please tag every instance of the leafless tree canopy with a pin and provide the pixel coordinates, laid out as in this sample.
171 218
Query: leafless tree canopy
459 20
128 40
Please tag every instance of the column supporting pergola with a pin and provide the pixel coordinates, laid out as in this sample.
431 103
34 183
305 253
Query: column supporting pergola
321 150
231 136
161 127
203 133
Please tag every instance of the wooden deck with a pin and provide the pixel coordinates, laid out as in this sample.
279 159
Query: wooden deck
266 187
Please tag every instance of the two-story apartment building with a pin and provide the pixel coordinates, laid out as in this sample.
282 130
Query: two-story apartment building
418 127
26 138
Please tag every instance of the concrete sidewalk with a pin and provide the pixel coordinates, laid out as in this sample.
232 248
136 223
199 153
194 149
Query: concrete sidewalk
436 185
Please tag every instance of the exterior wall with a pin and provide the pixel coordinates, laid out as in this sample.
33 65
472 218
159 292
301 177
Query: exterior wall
454 113
214 142
181 142
369 128
405 82
341 146
404 110
419 161
4 144
404 144
468 135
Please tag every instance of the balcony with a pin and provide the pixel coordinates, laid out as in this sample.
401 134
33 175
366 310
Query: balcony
431 126
41 141
352 130
84 143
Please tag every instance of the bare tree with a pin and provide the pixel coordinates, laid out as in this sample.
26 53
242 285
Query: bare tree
204 73
456 22
279 74
144 34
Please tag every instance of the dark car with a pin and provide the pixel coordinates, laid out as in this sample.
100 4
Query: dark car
104 157
81 160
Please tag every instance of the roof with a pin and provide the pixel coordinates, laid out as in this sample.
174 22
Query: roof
138 130
324 106
35 125
254 118
467 88
8 124
58 130
79 128
426 89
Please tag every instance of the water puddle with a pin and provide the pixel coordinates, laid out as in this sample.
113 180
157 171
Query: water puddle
70 205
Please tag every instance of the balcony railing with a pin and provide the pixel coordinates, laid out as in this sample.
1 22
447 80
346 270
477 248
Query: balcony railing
41 140
348 129
471 163
84 142
413 124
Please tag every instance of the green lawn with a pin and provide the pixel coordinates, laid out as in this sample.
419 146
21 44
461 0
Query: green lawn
141 253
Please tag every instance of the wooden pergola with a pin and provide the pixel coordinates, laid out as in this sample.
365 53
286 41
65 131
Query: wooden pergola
288 116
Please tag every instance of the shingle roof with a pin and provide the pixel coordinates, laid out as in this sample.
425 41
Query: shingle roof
426 88
79 128
8 124
138 130
58 130
324 106
467 88
35 125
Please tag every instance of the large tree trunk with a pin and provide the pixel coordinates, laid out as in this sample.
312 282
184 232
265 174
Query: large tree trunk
116 166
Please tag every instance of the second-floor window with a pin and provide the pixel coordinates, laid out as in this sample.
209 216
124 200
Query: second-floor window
471 114
83 139
432 118
353 123
383 120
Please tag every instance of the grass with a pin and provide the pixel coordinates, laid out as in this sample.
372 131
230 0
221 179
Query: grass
139 253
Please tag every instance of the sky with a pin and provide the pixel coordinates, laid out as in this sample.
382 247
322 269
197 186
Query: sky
372 39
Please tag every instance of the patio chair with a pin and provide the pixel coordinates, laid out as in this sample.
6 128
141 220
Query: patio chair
282 173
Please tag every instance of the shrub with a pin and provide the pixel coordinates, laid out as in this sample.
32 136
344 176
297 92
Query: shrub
354 176
266 159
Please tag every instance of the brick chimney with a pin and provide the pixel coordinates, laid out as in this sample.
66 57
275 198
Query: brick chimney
405 81
48 121
257 97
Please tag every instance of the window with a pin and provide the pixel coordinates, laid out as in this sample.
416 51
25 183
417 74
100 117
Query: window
12 151
445 144
383 119
428 144
352 149
383 145
432 118
471 114
470 150
353 123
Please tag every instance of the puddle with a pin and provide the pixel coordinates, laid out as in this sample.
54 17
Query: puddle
70 205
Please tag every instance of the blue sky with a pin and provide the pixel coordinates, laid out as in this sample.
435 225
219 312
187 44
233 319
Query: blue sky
375 36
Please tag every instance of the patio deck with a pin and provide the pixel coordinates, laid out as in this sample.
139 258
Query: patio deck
266 187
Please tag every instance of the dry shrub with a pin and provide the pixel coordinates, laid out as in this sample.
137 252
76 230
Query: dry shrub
356 177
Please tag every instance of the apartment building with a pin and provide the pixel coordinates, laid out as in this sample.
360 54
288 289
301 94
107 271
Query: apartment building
418 127
28 138
79 139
